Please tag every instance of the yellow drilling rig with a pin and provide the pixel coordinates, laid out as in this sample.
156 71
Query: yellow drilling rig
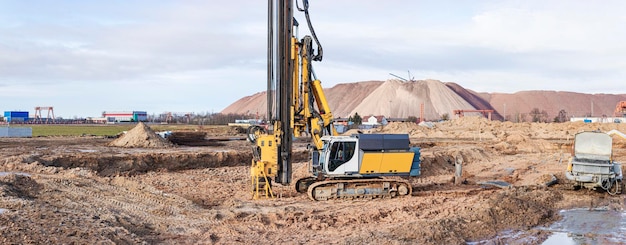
355 166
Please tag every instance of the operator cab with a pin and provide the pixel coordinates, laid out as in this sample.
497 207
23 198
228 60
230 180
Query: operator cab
338 155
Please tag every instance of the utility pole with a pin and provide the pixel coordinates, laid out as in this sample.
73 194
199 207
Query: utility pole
591 109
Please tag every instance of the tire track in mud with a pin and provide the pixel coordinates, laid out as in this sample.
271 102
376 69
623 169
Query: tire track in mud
161 214
157 210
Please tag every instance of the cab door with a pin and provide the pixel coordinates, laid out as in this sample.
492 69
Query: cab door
341 158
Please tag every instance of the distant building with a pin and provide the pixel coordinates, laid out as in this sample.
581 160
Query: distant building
341 124
16 116
125 116
245 123
598 119
96 120
374 120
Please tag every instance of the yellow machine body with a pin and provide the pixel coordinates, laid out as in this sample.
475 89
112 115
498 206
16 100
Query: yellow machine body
386 162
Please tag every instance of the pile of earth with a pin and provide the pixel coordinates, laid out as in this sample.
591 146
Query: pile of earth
402 99
365 99
141 136
509 138
482 128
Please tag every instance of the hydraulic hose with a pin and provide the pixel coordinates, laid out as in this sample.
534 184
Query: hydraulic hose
305 9
617 187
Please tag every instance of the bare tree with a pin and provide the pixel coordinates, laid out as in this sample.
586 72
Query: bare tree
356 119
538 116
561 117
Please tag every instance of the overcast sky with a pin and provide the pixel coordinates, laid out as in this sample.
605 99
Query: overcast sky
84 57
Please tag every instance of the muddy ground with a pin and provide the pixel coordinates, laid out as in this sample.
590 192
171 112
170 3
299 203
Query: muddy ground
80 190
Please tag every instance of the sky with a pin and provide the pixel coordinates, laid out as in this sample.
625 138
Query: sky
84 57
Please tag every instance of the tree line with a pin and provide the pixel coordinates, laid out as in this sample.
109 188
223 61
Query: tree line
535 115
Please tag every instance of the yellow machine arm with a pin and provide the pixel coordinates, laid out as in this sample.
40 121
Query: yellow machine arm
313 115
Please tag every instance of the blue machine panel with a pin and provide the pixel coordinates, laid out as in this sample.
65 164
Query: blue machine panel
415 167
377 142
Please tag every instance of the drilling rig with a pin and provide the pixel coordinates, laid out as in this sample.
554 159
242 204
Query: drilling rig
355 166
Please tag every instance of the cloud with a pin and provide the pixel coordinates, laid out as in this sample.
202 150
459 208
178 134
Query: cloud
165 39
558 45
103 53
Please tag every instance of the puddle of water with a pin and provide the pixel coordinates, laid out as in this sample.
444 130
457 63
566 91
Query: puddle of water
18 173
518 237
583 226
578 226
559 238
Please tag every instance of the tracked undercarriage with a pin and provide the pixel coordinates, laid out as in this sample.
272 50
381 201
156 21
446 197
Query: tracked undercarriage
321 190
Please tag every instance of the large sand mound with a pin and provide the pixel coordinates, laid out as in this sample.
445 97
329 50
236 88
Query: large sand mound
392 98
395 98
398 99
141 136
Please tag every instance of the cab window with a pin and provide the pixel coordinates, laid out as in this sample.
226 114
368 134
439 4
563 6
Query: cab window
340 153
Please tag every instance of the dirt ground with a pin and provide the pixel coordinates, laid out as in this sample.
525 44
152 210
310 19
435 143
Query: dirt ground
81 190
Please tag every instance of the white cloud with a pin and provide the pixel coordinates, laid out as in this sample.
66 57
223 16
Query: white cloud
216 51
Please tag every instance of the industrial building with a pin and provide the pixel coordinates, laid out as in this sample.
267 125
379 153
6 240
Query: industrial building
599 119
16 116
125 116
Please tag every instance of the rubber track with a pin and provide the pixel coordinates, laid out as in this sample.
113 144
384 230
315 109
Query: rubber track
352 181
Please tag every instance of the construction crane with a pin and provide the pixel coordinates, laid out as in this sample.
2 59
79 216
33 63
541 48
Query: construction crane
38 116
340 166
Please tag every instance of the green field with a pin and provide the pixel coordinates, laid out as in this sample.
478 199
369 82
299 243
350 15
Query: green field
97 130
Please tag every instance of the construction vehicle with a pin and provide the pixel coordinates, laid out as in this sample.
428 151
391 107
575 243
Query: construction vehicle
592 166
356 166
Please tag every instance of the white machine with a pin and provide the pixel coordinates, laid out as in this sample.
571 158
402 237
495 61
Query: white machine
592 165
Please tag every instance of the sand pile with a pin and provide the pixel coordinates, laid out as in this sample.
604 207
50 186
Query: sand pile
397 99
472 127
141 136
393 98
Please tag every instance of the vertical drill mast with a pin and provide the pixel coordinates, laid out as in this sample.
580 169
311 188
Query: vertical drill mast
296 104
284 69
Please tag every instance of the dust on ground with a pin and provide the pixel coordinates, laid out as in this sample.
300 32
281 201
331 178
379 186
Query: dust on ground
81 190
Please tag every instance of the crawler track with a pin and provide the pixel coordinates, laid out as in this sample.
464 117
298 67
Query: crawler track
358 188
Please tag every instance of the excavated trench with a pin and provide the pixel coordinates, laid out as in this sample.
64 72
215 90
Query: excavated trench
139 163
